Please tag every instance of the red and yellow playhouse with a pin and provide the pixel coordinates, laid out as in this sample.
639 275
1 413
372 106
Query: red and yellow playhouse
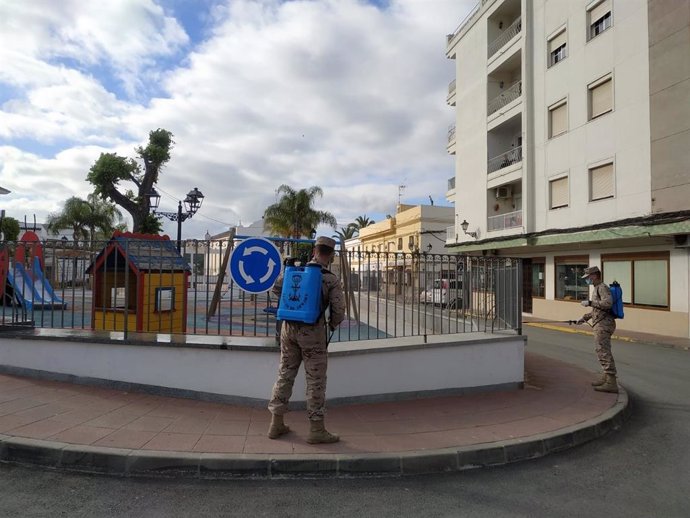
139 285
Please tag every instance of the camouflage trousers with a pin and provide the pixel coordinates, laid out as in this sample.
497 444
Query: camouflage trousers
302 342
602 340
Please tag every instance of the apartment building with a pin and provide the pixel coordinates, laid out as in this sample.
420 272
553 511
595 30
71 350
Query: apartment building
572 146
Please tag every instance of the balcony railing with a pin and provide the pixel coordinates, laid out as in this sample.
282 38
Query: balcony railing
503 221
470 17
451 87
505 36
504 160
506 97
451 133
451 183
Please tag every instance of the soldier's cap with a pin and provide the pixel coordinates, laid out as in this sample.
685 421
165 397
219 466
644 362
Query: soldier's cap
325 241
589 271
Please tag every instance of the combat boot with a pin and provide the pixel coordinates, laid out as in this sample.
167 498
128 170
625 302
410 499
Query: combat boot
600 381
610 385
277 427
319 435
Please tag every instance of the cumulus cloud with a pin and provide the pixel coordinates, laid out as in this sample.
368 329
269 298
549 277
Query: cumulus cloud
337 93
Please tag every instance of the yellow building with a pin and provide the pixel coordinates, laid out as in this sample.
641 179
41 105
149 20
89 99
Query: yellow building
401 248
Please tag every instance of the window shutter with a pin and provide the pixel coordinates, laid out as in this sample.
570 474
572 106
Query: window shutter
559 119
602 98
559 193
599 11
602 182
556 41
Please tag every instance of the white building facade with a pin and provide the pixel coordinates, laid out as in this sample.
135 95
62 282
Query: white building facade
572 138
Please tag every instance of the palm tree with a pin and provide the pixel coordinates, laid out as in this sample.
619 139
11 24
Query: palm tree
293 215
74 215
347 232
87 219
103 218
363 221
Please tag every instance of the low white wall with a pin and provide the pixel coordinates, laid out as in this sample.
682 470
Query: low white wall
356 369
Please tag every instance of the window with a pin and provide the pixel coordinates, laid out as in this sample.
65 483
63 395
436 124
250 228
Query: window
400 243
538 276
558 119
599 18
557 48
410 242
600 97
165 299
643 277
558 193
601 182
569 282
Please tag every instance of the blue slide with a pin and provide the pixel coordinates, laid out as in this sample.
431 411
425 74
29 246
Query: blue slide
31 289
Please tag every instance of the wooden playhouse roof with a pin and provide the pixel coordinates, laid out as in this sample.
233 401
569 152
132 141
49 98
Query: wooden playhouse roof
145 252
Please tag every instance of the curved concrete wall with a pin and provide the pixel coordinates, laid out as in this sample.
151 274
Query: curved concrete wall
245 372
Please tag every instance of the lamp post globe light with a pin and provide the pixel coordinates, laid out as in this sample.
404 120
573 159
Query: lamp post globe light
192 203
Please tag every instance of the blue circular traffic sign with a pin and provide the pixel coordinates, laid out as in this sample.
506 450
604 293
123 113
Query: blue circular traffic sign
255 264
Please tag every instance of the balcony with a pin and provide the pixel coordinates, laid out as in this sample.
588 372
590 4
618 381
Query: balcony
513 30
450 99
451 139
508 96
451 183
504 221
514 156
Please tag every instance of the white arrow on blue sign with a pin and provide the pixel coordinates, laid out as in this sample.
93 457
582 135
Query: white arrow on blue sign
255 264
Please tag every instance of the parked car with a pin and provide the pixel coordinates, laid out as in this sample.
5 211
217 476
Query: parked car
444 292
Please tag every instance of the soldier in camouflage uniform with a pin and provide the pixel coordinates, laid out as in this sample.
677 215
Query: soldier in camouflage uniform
604 325
309 343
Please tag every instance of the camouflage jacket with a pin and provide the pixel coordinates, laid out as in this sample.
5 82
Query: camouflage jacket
601 304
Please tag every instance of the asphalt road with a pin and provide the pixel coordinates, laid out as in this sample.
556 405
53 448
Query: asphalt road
641 471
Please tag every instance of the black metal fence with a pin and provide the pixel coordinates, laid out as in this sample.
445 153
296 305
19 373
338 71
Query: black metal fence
131 285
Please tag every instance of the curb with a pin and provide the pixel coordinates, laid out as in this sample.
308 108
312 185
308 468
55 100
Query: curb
562 329
133 463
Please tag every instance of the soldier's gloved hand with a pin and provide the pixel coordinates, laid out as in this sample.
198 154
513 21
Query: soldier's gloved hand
580 322
586 303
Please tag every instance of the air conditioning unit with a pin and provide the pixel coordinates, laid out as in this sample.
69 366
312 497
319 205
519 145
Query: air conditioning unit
504 192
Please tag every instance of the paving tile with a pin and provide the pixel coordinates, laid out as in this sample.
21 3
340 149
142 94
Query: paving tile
129 439
10 422
166 441
81 434
262 444
116 419
43 411
149 424
186 424
17 405
220 444
40 429
226 427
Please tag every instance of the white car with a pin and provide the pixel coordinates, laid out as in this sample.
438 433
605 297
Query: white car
444 292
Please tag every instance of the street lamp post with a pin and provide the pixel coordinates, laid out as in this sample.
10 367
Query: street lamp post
192 203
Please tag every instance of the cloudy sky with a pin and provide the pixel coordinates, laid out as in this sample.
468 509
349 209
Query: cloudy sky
348 95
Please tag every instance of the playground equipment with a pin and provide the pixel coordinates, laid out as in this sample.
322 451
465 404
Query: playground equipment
23 281
30 289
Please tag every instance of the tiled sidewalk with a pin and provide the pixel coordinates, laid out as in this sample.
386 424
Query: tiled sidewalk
557 402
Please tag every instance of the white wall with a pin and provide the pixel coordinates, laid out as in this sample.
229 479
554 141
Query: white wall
356 369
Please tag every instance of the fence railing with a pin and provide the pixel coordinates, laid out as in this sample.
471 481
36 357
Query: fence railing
139 286
503 221
506 97
507 35
504 160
